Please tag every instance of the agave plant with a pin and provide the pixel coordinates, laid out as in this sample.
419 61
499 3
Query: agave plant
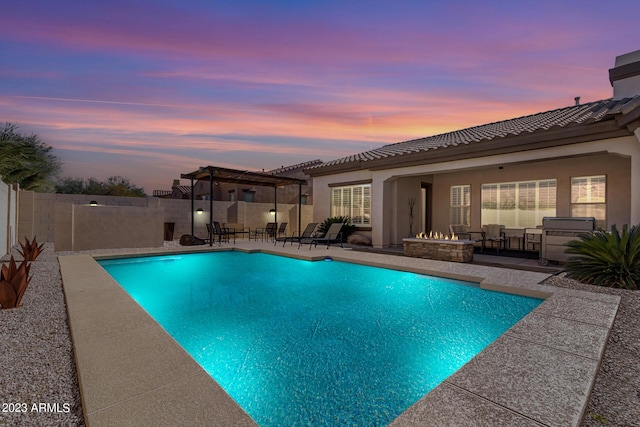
604 258
13 283
30 250
347 228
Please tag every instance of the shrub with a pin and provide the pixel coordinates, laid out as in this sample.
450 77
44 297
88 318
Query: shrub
610 259
347 228
13 283
30 250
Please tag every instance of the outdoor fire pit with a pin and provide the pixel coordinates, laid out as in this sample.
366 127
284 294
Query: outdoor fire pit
439 246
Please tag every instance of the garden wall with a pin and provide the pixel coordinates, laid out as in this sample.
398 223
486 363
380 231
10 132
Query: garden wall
69 222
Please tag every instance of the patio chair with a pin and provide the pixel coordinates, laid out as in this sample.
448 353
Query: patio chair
306 234
494 233
333 235
463 233
268 231
460 230
223 233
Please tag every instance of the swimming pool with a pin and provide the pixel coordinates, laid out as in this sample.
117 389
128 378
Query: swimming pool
297 342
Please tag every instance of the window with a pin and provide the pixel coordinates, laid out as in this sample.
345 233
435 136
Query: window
249 195
460 205
232 195
353 201
589 198
518 204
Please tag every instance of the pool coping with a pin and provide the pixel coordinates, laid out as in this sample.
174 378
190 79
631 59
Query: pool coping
540 372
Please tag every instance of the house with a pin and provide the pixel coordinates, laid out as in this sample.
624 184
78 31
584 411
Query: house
235 192
578 161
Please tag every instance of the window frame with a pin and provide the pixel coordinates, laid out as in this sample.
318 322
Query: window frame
464 209
346 199
589 194
514 199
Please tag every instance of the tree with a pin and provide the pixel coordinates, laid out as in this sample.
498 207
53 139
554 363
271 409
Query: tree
26 160
112 186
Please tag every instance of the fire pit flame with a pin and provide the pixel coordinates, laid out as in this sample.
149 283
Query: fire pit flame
436 236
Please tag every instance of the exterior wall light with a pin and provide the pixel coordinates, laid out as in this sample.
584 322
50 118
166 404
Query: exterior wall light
93 203
272 212
199 211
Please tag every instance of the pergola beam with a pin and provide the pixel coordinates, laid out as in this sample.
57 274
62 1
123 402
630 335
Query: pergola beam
236 176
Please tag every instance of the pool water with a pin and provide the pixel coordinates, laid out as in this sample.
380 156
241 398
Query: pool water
317 343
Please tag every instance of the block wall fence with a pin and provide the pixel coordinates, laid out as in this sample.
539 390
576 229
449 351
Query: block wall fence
71 223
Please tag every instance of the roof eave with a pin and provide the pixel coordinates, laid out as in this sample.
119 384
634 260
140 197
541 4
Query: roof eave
510 144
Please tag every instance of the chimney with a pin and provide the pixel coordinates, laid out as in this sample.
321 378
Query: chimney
176 182
625 76
577 99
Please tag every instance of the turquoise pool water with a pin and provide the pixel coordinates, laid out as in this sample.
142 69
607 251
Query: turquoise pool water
317 343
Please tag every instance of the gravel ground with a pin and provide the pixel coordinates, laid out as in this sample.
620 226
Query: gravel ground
37 362
38 365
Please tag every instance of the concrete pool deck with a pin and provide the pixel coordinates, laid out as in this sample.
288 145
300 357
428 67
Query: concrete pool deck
540 372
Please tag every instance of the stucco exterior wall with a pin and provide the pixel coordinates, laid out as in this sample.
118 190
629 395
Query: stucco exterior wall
616 168
617 158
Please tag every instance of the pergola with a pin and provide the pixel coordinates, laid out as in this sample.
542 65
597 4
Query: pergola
236 176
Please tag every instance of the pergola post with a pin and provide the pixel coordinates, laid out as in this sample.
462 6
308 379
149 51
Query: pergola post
299 206
275 207
192 209
211 208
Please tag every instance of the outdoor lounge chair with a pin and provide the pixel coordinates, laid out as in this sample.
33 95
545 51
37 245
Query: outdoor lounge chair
333 235
306 234
281 230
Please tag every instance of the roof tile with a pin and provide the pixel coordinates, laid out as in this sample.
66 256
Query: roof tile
563 117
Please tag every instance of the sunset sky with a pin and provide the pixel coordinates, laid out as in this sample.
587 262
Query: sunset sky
150 89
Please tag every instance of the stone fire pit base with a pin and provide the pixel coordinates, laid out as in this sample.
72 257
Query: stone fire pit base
443 250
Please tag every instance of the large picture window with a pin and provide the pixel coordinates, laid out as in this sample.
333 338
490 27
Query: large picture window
589 198
460 205
518 204
353 201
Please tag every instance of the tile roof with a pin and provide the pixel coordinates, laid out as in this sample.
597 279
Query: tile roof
184 189
575 115
304 165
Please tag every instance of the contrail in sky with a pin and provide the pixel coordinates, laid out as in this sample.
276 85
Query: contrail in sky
94 101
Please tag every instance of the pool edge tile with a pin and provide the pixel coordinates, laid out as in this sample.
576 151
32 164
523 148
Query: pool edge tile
451 405
203 402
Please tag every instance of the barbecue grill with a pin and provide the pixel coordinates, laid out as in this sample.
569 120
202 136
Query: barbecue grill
557 232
